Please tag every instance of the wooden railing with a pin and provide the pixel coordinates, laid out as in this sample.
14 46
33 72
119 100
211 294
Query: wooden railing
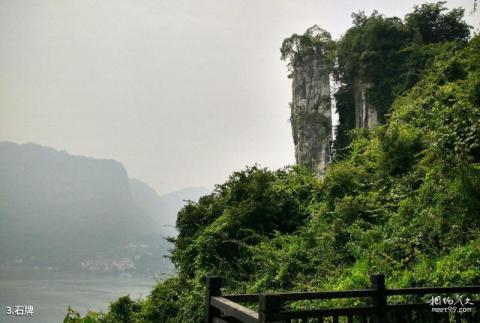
271 307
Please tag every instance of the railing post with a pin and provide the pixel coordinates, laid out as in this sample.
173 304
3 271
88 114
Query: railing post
380 300
267 305
213 289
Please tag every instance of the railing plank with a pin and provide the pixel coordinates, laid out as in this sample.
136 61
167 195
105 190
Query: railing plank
408 307
328 312
301 296
243 298
235 310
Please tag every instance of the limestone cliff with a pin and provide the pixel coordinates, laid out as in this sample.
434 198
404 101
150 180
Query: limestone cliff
311 115
366 115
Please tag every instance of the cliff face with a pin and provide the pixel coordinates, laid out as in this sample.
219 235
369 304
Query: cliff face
366 115
311 114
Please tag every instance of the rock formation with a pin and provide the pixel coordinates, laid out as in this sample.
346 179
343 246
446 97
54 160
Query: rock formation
365 114
311 114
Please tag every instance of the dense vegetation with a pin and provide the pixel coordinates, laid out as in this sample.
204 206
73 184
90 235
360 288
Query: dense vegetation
404 199
388 55
314 41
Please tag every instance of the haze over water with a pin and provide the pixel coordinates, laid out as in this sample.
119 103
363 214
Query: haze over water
50 293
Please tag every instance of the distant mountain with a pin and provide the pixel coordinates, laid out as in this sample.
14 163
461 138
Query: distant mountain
163 209
59 210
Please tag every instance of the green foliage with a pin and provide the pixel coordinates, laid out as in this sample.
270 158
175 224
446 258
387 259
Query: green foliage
251 205
400 147
315 41
75 317
403 200
432 25
123 310
370 53
388 55
163 302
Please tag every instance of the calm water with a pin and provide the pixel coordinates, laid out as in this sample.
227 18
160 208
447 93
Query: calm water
51 293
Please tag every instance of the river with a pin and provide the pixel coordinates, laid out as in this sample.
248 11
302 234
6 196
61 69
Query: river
50 293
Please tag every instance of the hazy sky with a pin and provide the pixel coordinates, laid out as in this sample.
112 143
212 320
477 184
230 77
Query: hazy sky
181 92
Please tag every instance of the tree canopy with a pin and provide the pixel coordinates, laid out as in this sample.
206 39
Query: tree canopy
315 41
389 54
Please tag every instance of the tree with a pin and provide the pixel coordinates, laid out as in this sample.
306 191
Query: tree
314 41
390 54
433 24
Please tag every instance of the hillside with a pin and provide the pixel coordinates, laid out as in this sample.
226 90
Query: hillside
73 212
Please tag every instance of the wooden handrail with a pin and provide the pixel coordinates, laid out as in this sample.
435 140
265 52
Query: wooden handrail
226 308
235 310
303 296
243 298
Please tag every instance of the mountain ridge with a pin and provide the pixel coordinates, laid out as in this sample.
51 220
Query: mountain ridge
58 209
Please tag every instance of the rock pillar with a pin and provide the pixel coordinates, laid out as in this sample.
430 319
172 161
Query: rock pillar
311 113
365 114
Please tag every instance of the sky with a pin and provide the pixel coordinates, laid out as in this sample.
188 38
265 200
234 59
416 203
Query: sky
182 92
